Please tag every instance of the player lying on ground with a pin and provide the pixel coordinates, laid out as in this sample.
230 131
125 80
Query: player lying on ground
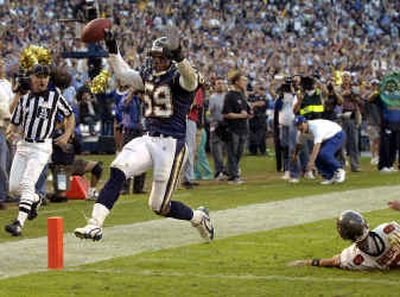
376 249
169 84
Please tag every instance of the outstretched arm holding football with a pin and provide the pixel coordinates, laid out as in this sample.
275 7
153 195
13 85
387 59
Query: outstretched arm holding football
122 70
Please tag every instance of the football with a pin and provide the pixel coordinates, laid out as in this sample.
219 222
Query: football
94 30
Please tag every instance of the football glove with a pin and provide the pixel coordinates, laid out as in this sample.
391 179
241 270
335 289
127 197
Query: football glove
111 43
173 54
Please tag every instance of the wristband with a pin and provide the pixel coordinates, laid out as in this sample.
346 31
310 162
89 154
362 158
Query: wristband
315 262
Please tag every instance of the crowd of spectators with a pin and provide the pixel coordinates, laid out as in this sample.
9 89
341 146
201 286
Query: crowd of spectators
267 40
279 36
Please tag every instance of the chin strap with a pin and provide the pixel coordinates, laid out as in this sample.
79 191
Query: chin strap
373 245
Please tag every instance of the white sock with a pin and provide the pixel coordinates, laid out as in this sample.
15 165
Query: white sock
22 216
197 216
99 213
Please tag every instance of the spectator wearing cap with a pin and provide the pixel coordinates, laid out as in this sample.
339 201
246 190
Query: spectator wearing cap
328 140
236 112
351 119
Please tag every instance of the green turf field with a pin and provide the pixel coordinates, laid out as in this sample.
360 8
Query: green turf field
246 265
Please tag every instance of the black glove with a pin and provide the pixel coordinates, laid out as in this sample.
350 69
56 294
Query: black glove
174 55
111 43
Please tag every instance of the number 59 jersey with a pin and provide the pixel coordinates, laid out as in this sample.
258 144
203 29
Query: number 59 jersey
166 104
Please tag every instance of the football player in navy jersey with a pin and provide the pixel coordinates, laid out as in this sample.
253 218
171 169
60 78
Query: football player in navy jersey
169 83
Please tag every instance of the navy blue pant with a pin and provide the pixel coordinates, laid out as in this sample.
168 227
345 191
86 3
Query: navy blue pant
326 161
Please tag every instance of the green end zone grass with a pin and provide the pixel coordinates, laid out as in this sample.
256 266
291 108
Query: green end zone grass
263 184
248 265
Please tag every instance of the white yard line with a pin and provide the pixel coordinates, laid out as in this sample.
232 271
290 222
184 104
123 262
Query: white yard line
30 255
270 277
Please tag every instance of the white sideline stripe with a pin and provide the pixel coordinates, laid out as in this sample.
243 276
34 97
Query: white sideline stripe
30 255
272 277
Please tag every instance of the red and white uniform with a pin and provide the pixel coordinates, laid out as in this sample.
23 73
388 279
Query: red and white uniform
388 238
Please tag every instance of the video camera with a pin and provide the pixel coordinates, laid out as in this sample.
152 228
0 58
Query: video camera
21 82
286 87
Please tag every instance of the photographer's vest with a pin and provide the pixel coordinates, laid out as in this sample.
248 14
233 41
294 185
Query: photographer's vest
311 106
391 116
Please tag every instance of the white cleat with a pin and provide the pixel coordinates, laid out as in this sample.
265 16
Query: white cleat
90 231
309 175
340 176
202 222
286 175
327 182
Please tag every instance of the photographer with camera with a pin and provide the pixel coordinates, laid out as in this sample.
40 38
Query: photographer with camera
285 93
310 105
332 103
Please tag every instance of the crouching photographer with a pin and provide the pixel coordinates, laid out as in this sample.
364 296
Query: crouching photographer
64 165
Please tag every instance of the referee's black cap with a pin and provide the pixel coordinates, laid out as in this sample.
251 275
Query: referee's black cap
41 70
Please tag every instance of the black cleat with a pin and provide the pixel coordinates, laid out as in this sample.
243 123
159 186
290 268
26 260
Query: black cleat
15 228
34 209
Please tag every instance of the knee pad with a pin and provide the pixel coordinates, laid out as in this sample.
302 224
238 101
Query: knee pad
98 169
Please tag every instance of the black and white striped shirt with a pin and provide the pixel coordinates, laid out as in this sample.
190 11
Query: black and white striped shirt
36 114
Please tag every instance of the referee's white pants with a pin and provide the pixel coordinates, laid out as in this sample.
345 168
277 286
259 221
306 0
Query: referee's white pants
29 161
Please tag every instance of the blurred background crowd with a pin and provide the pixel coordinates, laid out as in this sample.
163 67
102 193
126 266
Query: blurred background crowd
279 36
344 47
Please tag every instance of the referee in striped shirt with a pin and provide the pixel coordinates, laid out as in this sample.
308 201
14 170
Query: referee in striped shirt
34 119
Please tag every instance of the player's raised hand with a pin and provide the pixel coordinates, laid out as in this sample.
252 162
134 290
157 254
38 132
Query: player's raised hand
173 50
110 40
174 54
